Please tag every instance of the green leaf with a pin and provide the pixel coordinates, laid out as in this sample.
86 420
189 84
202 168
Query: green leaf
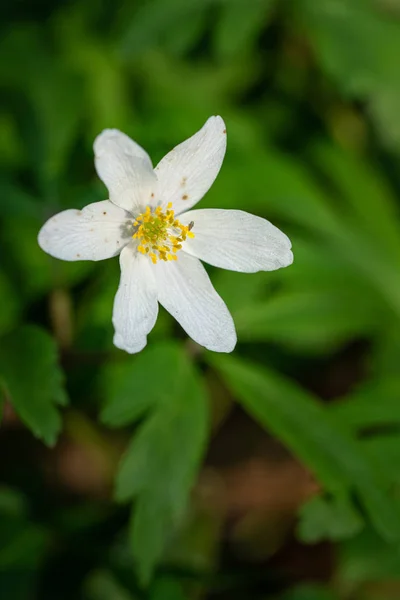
309 591
333 519
102 585
238 289
296 417
367 558
22 542
166 588
356 247
307 319
30 373
275 185
161 462
384 449
196 541
343 232
139 383
151 522
11 149
153 22
53 92
16 201
370 202
361 409
104 92
239 25
385 354
12 502
10 302
357 42
22 548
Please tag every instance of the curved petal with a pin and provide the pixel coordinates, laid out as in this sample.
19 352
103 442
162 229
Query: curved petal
237 240
98 231
185 290
126 169
187 172
135 306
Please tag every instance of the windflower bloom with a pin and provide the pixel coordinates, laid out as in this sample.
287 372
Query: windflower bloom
160 241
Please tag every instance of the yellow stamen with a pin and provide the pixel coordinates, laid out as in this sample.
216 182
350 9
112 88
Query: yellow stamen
160 234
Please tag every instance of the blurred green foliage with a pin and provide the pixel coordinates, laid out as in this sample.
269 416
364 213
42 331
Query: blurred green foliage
310 94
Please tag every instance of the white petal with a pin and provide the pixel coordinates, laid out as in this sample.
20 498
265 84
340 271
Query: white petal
98 231
237 240
187 172
135 306
126 169
185 290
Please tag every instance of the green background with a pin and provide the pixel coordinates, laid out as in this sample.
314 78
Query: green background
178 474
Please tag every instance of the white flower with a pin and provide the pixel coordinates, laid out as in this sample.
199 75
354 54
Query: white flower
148 222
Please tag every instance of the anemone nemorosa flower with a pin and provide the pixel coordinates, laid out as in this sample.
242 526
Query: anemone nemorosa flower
160 241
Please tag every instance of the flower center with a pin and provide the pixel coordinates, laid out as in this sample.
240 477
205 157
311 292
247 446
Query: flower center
160 234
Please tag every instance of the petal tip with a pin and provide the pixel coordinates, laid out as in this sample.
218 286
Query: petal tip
225 345
218 122
40 238
223 348
44 240
287 259
103 137
120 343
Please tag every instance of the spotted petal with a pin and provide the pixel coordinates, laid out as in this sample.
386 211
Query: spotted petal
135 306
126 169
185 290
98 231
237 240
187 172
